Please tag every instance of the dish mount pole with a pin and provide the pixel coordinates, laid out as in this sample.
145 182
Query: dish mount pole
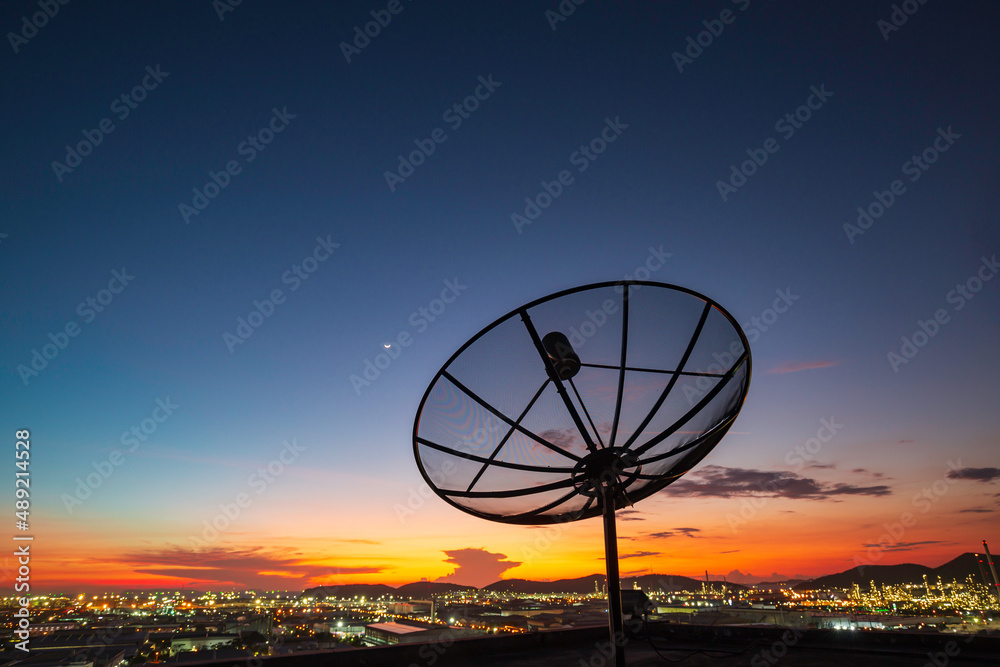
615 622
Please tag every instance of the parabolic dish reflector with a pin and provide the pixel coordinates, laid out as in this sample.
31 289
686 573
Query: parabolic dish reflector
519 425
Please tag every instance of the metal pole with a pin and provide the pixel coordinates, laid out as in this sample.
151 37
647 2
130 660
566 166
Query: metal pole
615 622
993 569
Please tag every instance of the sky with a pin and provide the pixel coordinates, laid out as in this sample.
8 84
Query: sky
216 217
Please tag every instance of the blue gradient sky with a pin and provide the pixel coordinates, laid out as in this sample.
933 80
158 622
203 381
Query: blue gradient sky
333 509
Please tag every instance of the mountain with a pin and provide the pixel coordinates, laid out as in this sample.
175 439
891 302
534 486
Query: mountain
957 568
881 574
582 585
348 591
673 582
904 573
424 589
418 590
789 583
961 567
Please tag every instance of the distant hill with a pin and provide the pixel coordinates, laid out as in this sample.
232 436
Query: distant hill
582 585
790 583
424 589
419 589
961 567
672 582
904 573
348 591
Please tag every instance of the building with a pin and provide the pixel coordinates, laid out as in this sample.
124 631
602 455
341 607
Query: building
199 641
411 632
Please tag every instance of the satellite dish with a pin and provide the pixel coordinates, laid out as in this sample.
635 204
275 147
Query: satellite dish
581 403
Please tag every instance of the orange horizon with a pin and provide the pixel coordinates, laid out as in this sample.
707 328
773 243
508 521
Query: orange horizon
110 584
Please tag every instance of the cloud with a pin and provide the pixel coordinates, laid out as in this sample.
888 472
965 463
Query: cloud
738 577
250 567
902 546
564 438
723 482
976 510
975 474
629 515
796 366
476 567
674 532
637 554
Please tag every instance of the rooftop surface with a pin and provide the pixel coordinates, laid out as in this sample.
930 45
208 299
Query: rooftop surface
667 644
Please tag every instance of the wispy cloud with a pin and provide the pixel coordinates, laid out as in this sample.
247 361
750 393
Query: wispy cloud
722 482
664 534
866 471
902 546
975 474
637 554
252 567
796 366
